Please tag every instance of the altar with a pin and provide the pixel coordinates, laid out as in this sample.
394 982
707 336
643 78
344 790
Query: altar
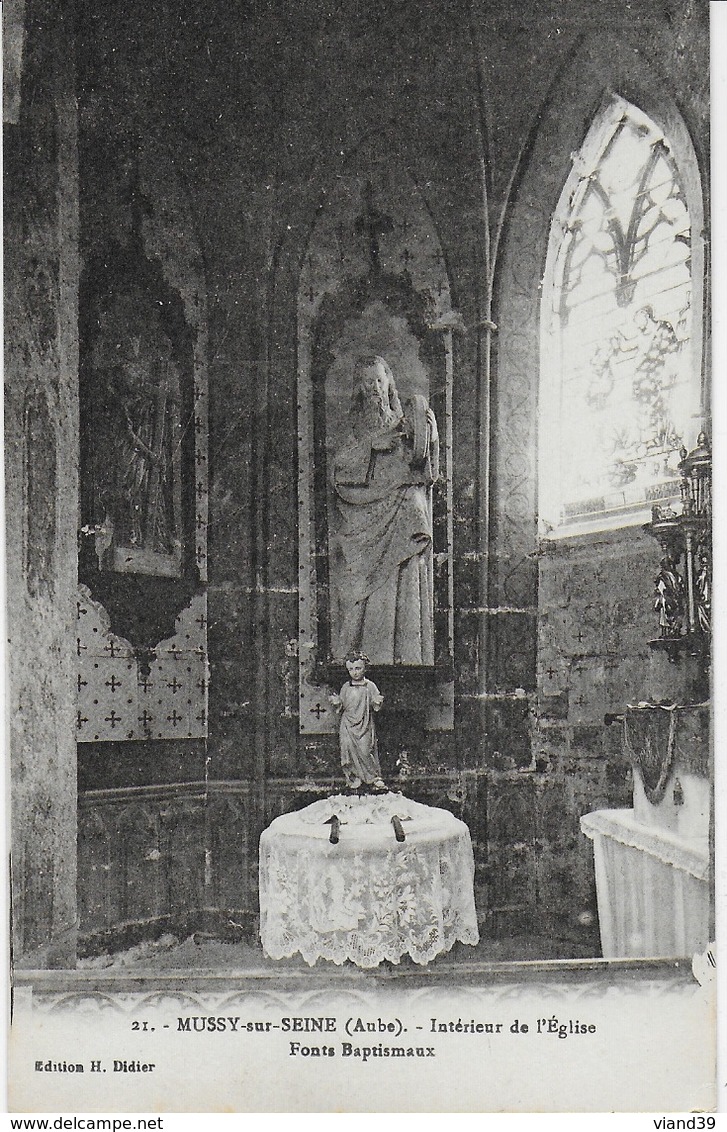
366 879
652 862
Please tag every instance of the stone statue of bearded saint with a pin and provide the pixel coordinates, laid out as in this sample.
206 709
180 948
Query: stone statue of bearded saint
382 560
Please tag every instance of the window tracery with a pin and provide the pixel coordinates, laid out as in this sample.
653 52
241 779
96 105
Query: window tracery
621 328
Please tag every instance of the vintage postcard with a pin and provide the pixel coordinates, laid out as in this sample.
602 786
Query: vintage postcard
358 463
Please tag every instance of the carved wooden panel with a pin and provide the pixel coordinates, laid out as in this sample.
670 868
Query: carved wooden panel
163 854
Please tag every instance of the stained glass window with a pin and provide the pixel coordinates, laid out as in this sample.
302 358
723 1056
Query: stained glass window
620 389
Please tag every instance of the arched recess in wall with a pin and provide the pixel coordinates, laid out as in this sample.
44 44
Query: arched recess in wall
373 282
142 640
621 323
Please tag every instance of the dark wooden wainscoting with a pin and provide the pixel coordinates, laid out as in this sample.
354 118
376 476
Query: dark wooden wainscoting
183 857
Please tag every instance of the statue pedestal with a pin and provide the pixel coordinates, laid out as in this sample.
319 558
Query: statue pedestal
653 877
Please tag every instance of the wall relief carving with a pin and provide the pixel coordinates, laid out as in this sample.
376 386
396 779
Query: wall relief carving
143 549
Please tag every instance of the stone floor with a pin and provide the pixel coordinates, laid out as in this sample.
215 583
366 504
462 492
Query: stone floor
201 952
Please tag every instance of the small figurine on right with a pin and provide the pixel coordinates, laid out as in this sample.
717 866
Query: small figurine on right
669 598
703 592
357 701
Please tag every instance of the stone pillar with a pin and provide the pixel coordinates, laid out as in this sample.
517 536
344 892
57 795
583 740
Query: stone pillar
41 453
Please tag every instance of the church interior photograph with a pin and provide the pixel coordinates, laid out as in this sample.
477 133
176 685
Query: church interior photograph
358 486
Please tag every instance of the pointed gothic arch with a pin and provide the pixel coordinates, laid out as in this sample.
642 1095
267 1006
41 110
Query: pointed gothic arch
373 281
621 323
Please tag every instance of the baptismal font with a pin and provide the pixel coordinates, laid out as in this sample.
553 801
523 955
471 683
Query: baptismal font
368 875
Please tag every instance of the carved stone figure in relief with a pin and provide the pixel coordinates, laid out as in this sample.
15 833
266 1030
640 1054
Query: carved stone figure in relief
137 428
382 561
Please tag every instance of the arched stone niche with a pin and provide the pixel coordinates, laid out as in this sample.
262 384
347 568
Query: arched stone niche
142 615
373 282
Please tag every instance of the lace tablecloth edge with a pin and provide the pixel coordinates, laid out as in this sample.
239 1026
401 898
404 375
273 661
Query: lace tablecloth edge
470 937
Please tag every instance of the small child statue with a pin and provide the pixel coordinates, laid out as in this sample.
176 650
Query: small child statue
359 698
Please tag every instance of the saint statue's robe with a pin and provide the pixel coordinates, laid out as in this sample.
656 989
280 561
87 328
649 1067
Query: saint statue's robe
382 561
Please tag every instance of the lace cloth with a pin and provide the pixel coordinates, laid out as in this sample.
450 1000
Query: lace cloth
370 897
620 825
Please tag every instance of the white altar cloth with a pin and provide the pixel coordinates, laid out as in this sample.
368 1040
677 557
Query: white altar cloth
369 897
652 887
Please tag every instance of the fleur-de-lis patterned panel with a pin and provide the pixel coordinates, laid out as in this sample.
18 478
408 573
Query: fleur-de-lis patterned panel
123 696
